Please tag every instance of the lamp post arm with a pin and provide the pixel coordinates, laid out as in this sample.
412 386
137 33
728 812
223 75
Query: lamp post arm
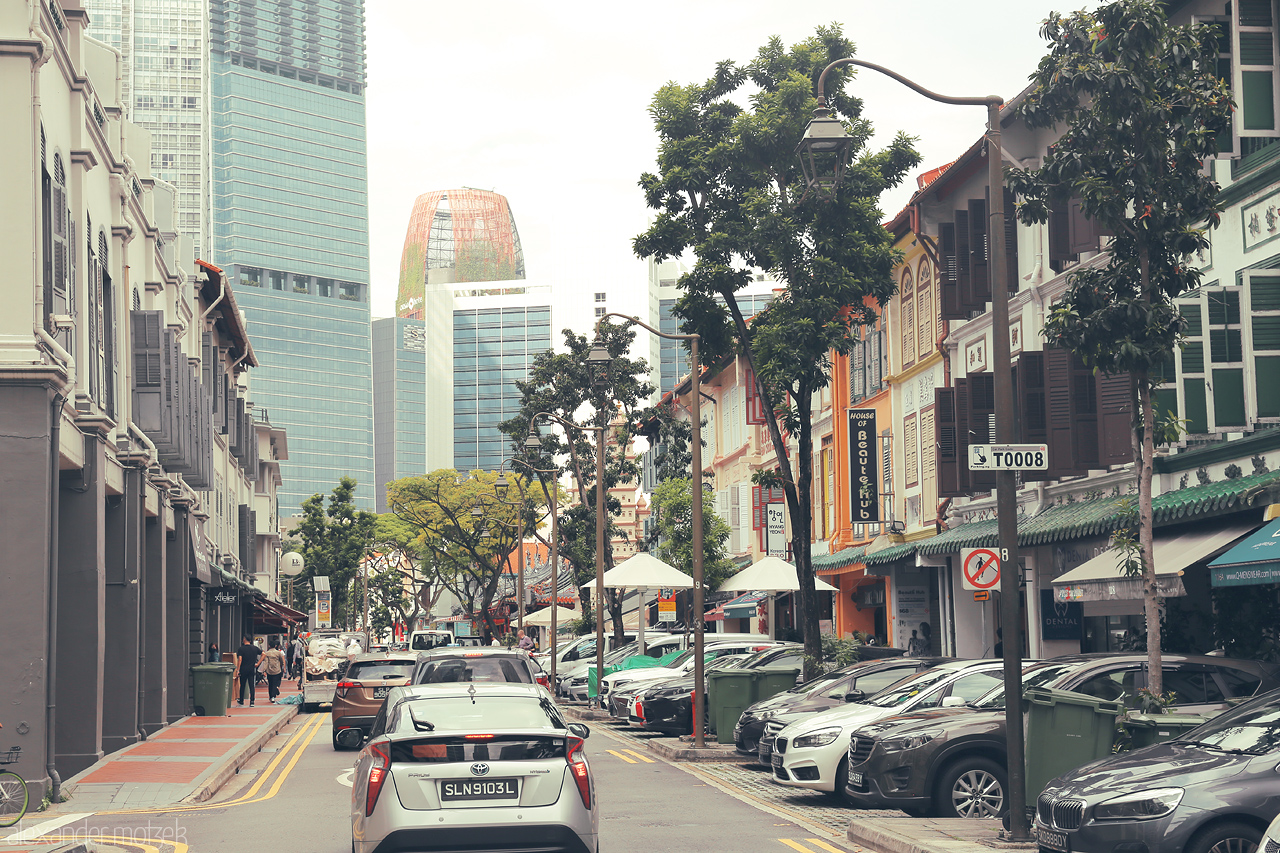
636 321
910 84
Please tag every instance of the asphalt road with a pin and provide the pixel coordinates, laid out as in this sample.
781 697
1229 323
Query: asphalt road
294 796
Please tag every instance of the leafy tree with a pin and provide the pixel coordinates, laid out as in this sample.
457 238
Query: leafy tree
395 549
466 561
1142 108
334 539
729 189
560 383
673 508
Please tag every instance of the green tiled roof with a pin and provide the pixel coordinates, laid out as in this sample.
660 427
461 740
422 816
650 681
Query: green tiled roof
888 555
838 560
1097 517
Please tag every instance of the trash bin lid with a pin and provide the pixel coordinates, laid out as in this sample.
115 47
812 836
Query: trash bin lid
1052 696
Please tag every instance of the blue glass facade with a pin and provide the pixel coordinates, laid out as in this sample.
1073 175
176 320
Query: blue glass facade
492 348
399 402
674 357
289 202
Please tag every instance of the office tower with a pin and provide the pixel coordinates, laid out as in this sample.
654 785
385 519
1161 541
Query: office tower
399 402
456 236
165 88
290 225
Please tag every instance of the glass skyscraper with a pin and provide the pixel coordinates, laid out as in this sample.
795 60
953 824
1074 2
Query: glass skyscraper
399 402
290 224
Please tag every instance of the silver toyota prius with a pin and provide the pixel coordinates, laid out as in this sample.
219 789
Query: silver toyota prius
478 766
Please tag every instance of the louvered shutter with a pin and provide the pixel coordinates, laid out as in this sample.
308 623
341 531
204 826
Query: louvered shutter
110 335
47 240
946 440
1012 279
1060 253
924 311
979 292
92 363
928 460
1115 418
963 439
1084 415
1254 84
149 369
908 331
1031 399
910 450
857 371
245 522
206 359
964 258
949 275
982 418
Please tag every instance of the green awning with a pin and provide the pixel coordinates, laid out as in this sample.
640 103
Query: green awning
839 560
1256 560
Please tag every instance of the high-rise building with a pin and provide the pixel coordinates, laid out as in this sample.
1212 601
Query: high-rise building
399 402
457 236
290 224
165 88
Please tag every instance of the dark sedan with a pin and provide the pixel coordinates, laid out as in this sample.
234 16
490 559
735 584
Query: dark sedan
951 762
853 683
1214 790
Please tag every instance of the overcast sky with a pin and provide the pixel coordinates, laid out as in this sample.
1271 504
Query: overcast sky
547 103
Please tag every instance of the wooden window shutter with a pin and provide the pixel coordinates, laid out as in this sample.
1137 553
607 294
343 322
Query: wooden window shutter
857 371
1115 393
928 462
46 212
949 275
1253 46
924 310
964 260
982 419
979 270
1032 411
947 442
1060 253
755 403
1084 415
149 368
908 332
963 439
246 532
1058 429
910 450
1010 242
110 334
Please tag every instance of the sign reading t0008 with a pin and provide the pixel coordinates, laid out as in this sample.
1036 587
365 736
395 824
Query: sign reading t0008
1008 457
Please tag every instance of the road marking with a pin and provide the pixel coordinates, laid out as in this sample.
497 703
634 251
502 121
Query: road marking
818 842
29 834
617 754
643 758
126 841
795 846
344 778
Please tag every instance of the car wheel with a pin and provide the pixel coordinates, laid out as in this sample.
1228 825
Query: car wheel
842 780
973 788
1225 838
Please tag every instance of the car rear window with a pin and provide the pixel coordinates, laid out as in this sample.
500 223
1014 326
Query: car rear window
376 669
498 748
449 714
1238 682
486 668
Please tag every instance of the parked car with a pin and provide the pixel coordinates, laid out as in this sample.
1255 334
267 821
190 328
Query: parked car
629 679
629 699
368 680
813 752
854 683
452 664
572 682
473 766
1213 790
951 762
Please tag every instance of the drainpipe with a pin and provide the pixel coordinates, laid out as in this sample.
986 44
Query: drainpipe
55 483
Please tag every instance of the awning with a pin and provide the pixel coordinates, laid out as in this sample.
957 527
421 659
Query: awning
1256 560
770 574
744 606
1103 579
643 571
459 618
275 613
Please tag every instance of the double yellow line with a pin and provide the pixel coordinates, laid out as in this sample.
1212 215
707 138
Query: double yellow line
816 842
634 755
121 841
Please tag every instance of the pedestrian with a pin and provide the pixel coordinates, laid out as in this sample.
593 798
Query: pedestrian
494 641
247 665
273 666
214 655
523 641
999 650
299 656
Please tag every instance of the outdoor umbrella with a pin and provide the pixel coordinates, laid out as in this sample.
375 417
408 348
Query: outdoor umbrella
771 575
640 572
543 616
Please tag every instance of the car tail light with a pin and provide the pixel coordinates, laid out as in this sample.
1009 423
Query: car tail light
343 687
639 709
578 767
542 679
477 737
379 769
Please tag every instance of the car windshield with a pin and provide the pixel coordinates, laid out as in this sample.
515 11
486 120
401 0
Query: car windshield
726 662
478 668
1252 729
1037 676
379 669
820 684
908 688
617 655
484 713
751 662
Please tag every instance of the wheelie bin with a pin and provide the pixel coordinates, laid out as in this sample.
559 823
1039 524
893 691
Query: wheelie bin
729 693
1148 729
212 688
1064 730
775 680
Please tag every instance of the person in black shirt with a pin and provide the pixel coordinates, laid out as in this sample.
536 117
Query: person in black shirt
247 662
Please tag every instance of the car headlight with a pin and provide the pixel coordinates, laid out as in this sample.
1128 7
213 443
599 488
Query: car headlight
911 741
821 737
1140 805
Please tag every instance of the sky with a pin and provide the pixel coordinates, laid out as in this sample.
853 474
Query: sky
547 104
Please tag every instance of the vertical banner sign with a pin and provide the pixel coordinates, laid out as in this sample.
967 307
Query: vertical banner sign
863 475
324 617
776 529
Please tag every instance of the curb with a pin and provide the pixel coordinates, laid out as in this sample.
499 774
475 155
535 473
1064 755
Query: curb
220 773
588 715
876 837
675 750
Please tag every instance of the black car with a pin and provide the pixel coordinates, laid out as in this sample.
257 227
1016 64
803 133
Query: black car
1213 790
853 683
951 761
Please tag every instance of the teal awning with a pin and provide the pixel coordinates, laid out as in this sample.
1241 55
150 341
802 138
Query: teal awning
1256 560
744 606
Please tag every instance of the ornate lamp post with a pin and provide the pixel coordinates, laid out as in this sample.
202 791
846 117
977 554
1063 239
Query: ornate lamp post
824 152
699 605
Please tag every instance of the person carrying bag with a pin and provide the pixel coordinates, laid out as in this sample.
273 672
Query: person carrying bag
273 665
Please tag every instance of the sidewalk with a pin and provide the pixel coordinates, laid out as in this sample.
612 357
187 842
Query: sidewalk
928 835
187 761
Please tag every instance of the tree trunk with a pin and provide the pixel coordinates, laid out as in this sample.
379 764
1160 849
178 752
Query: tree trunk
1146 536
801 536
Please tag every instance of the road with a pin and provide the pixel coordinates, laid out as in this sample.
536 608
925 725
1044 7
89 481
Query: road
294 796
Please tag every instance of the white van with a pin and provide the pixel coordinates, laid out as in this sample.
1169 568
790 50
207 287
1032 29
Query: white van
425 641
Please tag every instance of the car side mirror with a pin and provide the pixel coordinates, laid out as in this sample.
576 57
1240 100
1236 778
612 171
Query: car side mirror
580 730
953 702
349 738
855 696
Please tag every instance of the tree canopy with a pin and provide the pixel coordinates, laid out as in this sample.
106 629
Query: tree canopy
335 539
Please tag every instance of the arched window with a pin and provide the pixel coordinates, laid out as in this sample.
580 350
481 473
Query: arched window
908 320
925 311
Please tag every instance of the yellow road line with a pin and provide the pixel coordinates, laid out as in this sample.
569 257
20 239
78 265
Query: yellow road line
824 845
120 840
795 846
643 758
617 754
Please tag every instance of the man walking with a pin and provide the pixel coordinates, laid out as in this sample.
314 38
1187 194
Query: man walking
299 656
247 665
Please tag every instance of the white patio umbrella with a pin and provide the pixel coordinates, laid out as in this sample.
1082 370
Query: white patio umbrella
771 575
543 616
640 572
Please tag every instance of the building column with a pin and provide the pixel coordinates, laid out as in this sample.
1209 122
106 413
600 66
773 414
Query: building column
184 637
124 596
25 530
155 627
201 636
81 612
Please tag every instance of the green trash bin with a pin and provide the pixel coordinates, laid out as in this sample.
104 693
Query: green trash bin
775 680
212 688
729 693
1148 729
1064 730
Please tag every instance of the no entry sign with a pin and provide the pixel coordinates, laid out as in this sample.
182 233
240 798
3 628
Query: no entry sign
980 568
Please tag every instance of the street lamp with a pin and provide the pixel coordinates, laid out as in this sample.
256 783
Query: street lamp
699 684
825 141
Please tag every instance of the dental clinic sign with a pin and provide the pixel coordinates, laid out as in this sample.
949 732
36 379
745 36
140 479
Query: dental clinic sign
862 466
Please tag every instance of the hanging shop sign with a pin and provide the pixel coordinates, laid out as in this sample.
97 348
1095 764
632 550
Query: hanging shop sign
224 596
862 463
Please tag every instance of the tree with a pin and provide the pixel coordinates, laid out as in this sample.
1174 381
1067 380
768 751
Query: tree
1143 108
468 551
673 509
334 541
561 384
730 190
395 549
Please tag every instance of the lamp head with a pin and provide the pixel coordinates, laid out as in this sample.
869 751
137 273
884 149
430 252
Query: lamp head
501 485
477 512
598 359
532 444
824 153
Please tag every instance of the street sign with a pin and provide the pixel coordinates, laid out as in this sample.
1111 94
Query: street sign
979 568
1008 457
323 614
982 595
776 530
